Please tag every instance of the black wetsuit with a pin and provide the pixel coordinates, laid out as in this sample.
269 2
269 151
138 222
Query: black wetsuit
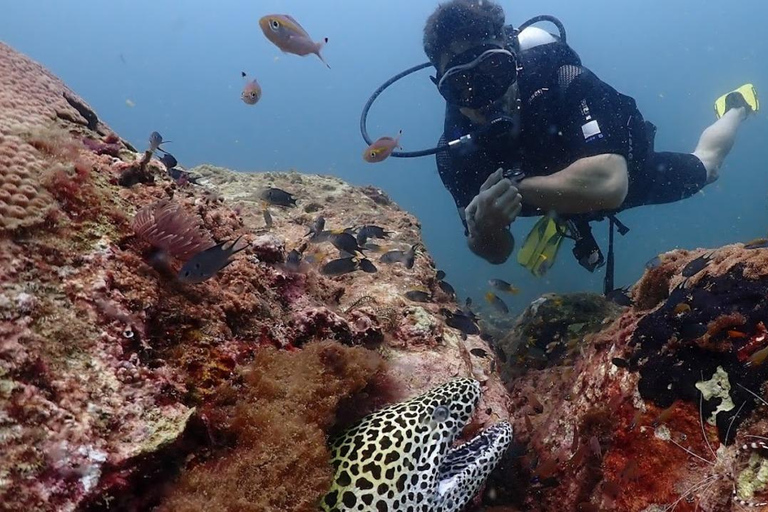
568 113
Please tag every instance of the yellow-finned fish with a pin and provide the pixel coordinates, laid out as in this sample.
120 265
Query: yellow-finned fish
382 148
286 33
496 303
251 92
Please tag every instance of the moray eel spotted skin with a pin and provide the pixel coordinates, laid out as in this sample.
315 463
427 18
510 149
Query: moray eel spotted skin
400 458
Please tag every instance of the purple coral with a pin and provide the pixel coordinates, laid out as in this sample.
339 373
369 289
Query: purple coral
166 226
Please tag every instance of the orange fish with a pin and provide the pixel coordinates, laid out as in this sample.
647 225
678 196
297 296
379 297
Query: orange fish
251 92
382 148
285 32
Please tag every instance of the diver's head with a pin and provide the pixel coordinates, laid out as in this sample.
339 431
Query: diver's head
476 69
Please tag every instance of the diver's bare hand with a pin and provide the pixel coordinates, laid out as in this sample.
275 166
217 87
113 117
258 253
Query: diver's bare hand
495 207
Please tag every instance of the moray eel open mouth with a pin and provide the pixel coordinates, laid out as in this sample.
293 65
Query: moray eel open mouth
401 457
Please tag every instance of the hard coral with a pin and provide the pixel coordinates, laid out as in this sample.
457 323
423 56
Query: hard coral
23 202
278 414
166 226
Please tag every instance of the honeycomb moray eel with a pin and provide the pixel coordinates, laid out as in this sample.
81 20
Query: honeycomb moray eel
401 457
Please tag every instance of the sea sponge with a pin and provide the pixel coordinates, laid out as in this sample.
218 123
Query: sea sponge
279 413
23 202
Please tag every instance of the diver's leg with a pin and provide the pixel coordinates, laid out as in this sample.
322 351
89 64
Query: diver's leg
717 140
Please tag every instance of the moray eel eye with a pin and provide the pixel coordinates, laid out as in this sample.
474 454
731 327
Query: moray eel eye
441 413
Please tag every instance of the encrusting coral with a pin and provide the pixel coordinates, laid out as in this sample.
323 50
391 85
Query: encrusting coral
106 359
664 407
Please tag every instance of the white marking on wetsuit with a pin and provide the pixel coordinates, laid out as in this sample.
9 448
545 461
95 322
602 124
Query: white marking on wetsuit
591 130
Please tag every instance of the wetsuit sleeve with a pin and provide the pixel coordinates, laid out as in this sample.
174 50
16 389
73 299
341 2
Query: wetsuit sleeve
452 171
594 117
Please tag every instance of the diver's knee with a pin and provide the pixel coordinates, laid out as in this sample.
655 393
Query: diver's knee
711 163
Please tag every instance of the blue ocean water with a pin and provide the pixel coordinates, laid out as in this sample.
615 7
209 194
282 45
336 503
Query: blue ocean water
179 64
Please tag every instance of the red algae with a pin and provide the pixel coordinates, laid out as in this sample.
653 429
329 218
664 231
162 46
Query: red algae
277 412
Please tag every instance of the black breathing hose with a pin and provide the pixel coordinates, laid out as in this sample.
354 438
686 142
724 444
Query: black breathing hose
380 89
367 107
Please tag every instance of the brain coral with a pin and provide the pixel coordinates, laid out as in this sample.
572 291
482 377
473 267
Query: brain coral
23 202
30 98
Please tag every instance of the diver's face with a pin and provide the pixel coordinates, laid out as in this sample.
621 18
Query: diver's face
480 115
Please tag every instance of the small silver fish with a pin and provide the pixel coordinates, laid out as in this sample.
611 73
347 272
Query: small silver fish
285 32
278 197
205 264
293 260
697 265
346 243
758 243
407 258
503 286
340 266
459 320
447 288
317 226
654 262
381 148
155 141
251 91
418 296
370 231
169 161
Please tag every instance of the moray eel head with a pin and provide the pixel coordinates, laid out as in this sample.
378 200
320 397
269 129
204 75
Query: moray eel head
401 457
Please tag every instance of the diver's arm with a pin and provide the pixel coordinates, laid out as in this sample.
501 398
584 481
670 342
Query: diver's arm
589 184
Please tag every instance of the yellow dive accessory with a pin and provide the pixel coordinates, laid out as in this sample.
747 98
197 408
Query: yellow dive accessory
746 95
540 248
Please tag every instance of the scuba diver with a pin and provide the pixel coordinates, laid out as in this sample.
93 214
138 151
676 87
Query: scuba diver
567 145
530 131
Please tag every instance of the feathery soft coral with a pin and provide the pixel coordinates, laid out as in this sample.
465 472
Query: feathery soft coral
166 226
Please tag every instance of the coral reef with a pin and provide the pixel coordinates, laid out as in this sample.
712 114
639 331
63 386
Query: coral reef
110 367
664 407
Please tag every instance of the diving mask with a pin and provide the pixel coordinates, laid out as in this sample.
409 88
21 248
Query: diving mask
478 77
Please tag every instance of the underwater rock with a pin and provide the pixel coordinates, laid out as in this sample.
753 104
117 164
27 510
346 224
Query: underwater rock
549 329
664 407
111 368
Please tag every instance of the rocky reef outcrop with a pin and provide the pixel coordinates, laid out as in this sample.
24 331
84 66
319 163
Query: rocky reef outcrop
123 387
662 409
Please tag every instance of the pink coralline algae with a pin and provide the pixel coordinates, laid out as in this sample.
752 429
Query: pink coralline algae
110 367
660 409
